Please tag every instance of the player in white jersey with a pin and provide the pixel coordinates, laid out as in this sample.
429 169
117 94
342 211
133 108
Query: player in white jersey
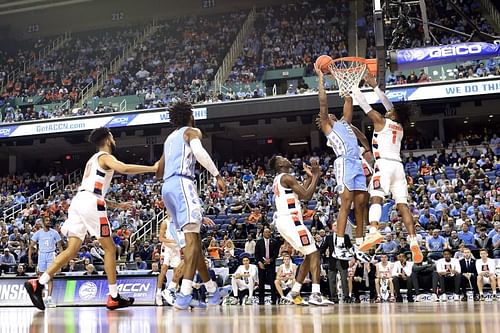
170 256
87 213
389 173
182 149
287 192
384 279
246 276
486 274
348 169
285 277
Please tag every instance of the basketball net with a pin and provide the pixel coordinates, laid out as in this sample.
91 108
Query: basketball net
348 72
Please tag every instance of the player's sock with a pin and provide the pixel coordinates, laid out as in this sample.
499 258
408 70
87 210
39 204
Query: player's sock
187 287
411 238
375 213
172 285
158 290
296 287
315 288
211 286
113 290
44 279
340 241
359 241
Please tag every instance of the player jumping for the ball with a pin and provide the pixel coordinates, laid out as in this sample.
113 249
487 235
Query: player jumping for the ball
389 173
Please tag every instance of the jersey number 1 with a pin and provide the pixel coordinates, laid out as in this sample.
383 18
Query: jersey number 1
394 134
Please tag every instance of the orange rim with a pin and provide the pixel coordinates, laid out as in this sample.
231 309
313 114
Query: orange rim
371 64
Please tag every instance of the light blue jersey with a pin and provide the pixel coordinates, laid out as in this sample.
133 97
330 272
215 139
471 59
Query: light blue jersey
348 167
179 191
179 158
46 240
343 140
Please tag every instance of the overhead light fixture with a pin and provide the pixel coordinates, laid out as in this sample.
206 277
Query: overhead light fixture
298 143
491 116
466 121
248 136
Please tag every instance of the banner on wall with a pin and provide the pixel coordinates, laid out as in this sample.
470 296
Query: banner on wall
89 123
82 290
435 91
443 54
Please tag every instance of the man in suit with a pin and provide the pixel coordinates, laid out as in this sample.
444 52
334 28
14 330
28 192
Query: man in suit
266 252
336 266
469 275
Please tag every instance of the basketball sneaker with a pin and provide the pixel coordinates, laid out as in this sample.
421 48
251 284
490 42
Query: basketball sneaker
35 289
370 241
119 302
285 301
182 302
359 255
230 300
342 252
196 304
416 252
169 296
296 299
49 302
316 299
215 297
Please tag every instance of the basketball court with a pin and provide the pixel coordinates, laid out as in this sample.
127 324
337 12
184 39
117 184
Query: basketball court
370 318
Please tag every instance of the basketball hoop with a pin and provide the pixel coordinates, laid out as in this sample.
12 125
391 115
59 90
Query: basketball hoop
349 71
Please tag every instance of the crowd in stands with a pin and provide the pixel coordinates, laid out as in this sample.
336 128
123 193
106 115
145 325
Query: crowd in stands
179 61
292 35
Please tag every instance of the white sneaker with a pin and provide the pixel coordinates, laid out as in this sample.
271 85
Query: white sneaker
50 303
159 299
316 299
361 256
248 300
456 298
443 298
342 253
169 296
435 298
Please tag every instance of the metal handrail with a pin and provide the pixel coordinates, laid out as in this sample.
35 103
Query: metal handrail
55 186
57 43
75 176
148 229
18 207
234 51
89 90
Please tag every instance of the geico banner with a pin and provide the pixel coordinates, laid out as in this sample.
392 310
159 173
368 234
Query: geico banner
443 54
94 290
89 123
435 91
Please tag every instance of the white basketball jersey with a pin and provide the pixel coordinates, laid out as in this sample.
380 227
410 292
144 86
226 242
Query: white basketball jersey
287 202
385 271
387 143
285 270
95 179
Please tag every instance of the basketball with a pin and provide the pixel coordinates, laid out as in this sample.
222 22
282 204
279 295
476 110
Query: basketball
323 62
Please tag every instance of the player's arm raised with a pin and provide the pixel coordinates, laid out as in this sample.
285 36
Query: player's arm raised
108 161
304 193
193 137
324 118
376 117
